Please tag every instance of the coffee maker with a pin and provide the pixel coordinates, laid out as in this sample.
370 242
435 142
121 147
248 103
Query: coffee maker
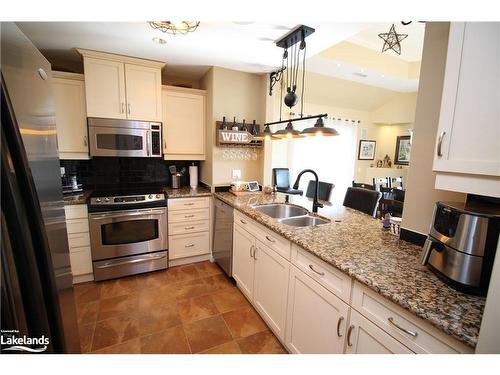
461 244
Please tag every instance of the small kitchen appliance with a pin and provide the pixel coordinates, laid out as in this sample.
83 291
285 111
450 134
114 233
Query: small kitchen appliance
461 244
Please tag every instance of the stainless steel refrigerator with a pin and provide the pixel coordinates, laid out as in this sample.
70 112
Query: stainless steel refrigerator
36 281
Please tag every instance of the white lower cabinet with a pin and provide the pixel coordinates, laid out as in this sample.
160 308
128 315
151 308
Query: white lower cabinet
316 318
243 262
77 227
270 287
364 337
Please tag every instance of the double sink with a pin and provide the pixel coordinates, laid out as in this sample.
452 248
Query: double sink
290 215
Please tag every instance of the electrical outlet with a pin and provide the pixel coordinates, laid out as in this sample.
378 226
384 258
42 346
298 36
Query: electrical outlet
236 174
63 171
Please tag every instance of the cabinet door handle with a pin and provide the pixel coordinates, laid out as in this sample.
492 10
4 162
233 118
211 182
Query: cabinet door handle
164 145
440 143
319 273
251 254
189 227
349 331
338 326
186 216
270 239
243 221
123 107
85 140
128 106
189 245
411 333
255 252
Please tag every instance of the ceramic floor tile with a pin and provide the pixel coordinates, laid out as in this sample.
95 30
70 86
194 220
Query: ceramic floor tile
86 332
158 318
244 322
196 308
115 331
190 289
155 279
229 299
87 292
207 333
128 347
261 343
181 274
119 287
116 306
207 268
170 341
87 312
218 282
151 297
230 347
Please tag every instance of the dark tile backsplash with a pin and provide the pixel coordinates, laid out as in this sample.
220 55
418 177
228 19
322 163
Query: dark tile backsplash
105 173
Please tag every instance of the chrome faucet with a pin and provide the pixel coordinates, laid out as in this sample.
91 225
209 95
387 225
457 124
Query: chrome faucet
316 204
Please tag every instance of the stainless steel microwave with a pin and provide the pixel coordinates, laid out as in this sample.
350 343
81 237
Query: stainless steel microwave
124 138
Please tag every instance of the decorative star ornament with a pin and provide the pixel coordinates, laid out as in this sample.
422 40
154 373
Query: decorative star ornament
392 40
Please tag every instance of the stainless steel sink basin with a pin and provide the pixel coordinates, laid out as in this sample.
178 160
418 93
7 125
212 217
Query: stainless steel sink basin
279 211
304 221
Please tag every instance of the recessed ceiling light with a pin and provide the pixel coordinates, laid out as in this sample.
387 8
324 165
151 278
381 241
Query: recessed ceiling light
338 64
382 75
159 40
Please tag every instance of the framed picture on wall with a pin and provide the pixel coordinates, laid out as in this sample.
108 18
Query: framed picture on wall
366 149
403 147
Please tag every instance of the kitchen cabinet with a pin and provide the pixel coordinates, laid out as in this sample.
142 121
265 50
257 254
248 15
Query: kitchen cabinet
188 227
467 154
270 287
243 262
364 337
122 87
71 117
316 318
77 228
183 114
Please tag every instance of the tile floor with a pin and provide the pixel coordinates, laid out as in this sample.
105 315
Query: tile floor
186 309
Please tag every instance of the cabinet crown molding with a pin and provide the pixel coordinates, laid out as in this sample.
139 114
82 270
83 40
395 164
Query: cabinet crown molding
68 75
187 90
121 58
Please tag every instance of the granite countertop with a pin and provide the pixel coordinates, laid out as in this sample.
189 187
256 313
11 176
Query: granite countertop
355 243
77 198
187 192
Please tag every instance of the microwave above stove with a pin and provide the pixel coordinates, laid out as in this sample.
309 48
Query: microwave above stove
124 138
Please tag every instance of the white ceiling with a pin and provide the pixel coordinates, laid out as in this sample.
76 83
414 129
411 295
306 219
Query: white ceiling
245 46
411 46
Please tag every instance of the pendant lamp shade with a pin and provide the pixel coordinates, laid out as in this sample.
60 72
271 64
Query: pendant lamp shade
265 134
319 129
288 132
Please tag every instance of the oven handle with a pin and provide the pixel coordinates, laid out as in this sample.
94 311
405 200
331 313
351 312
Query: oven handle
140 260
125 213
148 146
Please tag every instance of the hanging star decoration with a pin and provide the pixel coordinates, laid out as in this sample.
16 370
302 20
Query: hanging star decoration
392 40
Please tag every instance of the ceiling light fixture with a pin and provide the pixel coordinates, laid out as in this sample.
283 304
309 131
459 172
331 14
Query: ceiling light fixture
319 129
392 40
266 134
169 27
288 132
159 40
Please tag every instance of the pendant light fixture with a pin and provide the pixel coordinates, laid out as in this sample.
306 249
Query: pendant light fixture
170 27
294 54
319 129
266 134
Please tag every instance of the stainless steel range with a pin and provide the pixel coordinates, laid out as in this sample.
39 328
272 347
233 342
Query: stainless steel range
128 232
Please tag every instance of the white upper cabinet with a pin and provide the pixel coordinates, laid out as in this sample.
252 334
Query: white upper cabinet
468 138
71 117
143 92
122 87
105 88
183 123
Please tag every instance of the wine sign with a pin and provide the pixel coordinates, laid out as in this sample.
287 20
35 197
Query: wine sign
234 137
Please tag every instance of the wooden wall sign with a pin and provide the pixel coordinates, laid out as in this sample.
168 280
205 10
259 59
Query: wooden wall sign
233 137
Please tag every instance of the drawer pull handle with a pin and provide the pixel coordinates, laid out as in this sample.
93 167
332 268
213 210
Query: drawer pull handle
440 143
349 331
411 333
189 245
270 239
319 273
186 216
338 326
188 204
243 221
191 227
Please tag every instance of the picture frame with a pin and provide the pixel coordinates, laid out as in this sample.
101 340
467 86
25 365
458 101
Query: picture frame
403 149
366 150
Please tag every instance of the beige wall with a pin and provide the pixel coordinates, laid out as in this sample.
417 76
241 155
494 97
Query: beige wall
420 194
180 81
232 93
399 110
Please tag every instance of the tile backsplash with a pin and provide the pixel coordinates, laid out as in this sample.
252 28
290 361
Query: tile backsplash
103 173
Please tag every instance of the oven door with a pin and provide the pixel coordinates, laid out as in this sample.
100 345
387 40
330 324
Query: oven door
118 141
130 232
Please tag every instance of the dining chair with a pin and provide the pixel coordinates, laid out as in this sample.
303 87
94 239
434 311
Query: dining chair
396 182
363 200
281 179
362 185
379 182
325 190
